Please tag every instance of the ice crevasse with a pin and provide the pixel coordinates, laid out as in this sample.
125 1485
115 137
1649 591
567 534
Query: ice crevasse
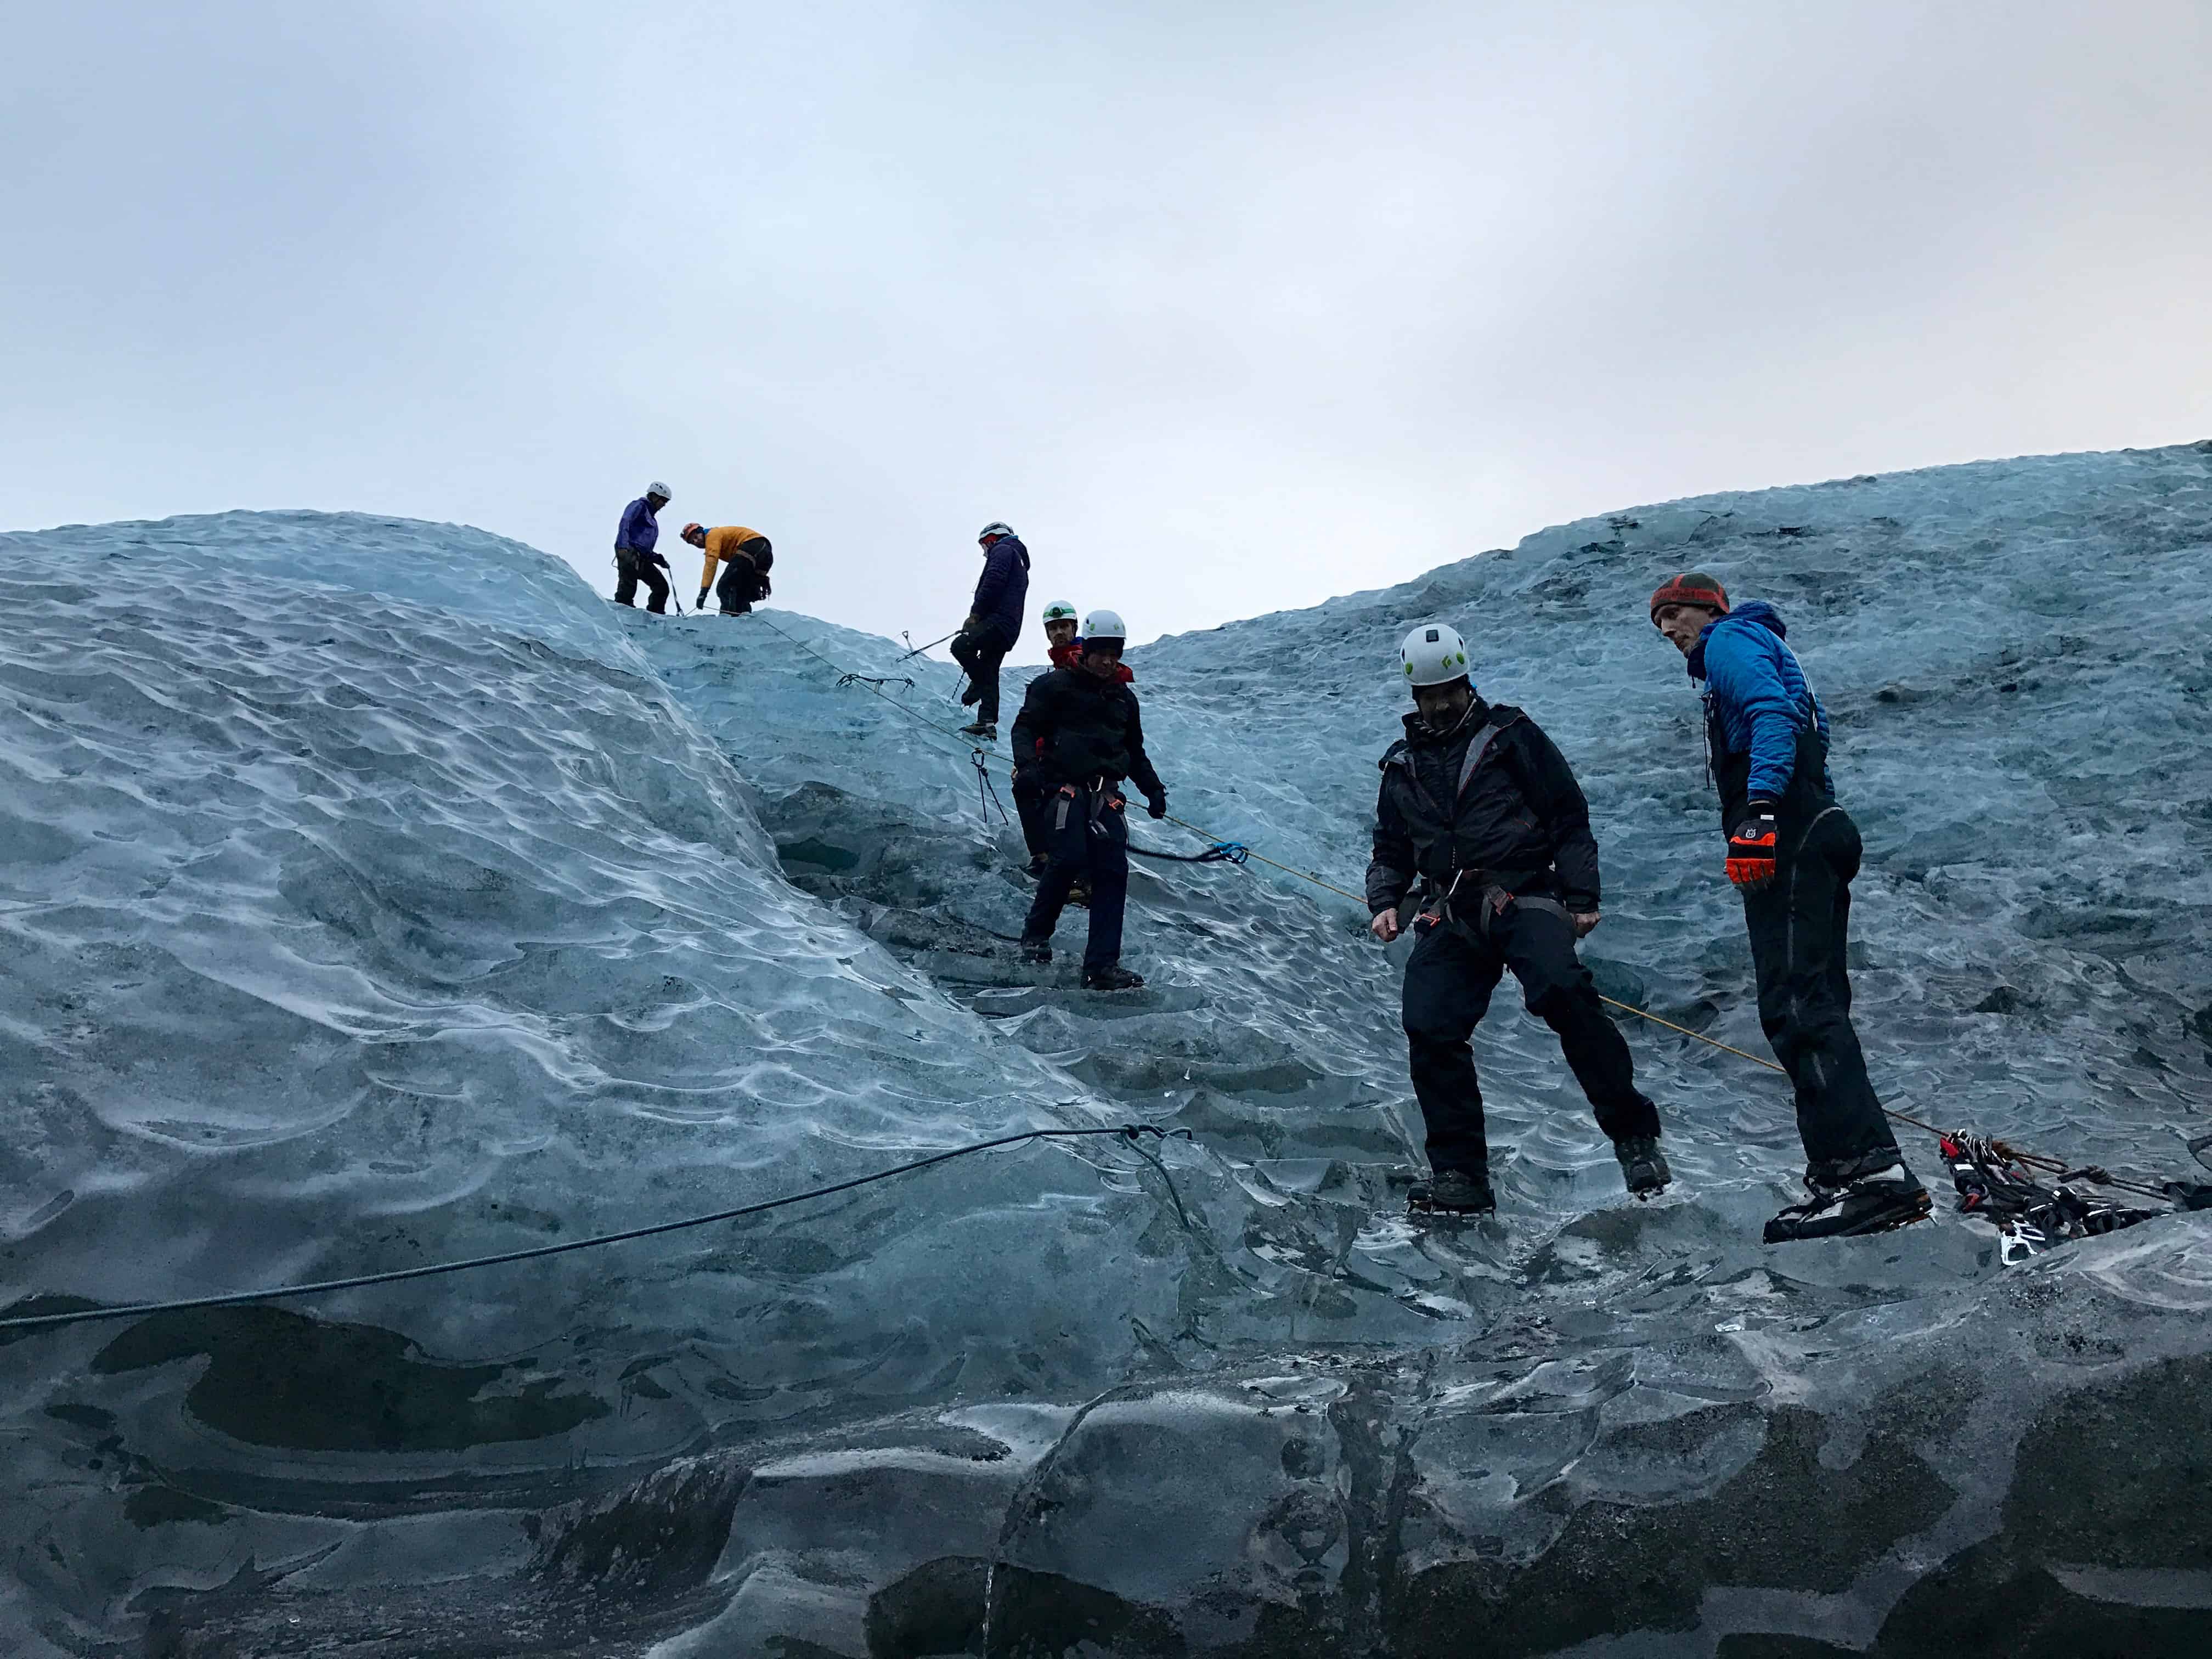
373 893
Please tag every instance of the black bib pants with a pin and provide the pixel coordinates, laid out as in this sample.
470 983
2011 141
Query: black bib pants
631 568
980 653
1449 981
1800 928
1086 829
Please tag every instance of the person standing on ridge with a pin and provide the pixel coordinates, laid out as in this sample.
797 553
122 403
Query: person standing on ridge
634 558
746 557
1478 804
994 622
1792 851
1082 726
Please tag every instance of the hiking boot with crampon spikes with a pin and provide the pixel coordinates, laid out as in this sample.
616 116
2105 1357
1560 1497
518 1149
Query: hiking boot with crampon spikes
1451 1193
1112 977
981 731
1872 1203
970 695
1037 950
1642 1165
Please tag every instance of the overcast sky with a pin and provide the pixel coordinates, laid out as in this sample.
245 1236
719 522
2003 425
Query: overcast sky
1226 308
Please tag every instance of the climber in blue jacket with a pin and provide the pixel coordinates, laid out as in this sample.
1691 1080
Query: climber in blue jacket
1792 851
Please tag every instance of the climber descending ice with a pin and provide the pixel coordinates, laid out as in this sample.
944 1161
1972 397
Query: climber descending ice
1792 851
1081 730
994 623
1479 808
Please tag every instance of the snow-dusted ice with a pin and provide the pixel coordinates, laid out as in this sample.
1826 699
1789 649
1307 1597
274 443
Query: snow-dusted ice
373 893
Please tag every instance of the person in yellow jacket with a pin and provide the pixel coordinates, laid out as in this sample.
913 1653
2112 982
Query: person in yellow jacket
744 556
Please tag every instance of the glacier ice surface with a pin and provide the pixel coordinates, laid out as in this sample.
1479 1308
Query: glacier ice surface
371 893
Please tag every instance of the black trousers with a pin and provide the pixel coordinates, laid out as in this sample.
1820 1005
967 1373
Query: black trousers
737 588
1449 980
632 568
1800 928
1087 830
1031 798
980 653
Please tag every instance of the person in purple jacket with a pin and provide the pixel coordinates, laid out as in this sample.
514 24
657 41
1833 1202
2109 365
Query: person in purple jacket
1792 851
634 558
994 622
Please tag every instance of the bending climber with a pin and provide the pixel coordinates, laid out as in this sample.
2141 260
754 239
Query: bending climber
634 558
746 557
1478 804
994 622
1792 852
1081 730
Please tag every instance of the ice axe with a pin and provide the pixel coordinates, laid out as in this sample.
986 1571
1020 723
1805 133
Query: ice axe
919 649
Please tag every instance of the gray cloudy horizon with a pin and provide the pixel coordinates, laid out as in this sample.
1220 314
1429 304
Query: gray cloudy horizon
1227 310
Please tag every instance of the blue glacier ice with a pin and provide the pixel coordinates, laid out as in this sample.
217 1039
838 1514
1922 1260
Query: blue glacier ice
372 894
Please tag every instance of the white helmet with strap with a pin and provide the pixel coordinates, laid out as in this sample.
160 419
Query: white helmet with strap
1060 611
1104 625
1433 654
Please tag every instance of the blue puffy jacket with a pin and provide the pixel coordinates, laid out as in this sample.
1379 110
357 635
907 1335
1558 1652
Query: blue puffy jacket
1002 594
638 528
1756 698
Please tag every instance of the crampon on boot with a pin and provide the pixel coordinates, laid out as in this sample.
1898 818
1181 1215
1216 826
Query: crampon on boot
1037 950
1871 1204
1451 1192
1643 1166
1112 977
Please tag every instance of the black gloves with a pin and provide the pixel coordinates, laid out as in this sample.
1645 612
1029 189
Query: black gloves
700 603
1751 847
1157 806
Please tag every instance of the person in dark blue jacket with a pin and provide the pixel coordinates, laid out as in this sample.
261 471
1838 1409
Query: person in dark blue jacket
994 622
1792 851
635 560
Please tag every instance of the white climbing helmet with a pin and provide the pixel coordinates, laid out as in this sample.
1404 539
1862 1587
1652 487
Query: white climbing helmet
993 528
1433 654
1060 611
1104 625
657 487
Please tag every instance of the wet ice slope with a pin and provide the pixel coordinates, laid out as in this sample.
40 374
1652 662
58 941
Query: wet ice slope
382 895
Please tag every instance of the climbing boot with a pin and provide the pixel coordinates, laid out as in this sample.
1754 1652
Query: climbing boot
969 694
1452 1193
982 731
1112 977
1642 1165
1871 1204
1037 950
1078 891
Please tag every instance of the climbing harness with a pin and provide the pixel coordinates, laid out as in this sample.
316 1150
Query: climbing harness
1132 1133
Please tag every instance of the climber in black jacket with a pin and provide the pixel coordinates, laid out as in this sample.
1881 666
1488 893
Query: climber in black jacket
1478 806
1078 735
